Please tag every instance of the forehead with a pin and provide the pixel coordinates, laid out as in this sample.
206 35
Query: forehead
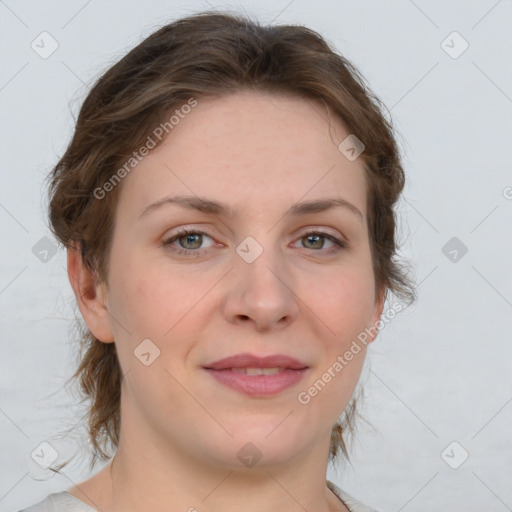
249 149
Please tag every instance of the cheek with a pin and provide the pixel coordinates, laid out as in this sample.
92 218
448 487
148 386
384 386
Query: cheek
345 301
148 297
148 307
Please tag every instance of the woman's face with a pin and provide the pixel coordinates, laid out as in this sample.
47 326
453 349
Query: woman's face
246 280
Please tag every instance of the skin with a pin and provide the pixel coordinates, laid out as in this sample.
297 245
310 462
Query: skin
181 430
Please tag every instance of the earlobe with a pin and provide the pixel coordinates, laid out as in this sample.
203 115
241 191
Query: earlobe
90 296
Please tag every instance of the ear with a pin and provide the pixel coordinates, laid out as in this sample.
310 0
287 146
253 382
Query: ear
90 296
377 312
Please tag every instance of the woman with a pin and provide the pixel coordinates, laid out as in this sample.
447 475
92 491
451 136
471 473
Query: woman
227 206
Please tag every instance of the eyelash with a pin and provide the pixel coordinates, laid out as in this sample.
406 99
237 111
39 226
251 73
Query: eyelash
338 243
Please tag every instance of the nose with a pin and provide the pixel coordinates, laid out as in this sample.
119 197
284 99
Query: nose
261 293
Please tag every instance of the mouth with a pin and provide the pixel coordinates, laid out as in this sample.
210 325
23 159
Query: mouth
258 376
255 382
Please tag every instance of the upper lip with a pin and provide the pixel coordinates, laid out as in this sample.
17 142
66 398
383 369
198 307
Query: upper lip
251 361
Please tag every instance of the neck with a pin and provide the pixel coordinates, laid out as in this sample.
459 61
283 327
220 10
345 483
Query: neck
173 480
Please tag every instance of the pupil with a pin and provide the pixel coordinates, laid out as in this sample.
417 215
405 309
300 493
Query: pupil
314 237
190 240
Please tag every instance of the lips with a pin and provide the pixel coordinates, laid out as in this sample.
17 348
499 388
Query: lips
258 377
244 361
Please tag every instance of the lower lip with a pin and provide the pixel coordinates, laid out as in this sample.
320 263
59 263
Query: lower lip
258 385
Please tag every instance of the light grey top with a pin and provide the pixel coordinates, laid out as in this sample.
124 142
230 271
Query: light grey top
65 502
349 501
60 502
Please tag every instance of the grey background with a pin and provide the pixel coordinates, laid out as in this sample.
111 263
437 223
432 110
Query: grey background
438 373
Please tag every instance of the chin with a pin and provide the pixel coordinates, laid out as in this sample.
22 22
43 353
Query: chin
264 445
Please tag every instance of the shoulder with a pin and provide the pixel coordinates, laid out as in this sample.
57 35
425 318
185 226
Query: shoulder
59 502
353 504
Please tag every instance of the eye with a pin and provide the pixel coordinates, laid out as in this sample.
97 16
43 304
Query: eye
189 240
316 240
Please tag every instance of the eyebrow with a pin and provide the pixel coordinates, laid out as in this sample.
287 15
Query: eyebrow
213 207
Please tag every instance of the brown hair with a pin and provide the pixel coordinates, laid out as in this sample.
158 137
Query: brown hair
208 55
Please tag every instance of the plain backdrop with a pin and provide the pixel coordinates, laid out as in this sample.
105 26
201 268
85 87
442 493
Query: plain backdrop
438 380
